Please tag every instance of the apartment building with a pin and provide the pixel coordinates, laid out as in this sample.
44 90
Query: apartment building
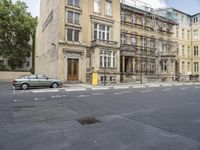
147 49
119 40
76 38
188 42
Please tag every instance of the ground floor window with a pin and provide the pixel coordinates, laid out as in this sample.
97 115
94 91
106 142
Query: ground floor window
107 59
196 67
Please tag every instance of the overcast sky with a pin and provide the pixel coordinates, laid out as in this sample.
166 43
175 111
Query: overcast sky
188 6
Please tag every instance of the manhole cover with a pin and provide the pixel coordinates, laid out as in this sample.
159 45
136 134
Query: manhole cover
89 120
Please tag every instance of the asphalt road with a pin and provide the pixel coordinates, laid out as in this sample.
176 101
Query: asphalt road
162 118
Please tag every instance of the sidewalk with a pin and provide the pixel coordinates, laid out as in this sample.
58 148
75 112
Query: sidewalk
77 87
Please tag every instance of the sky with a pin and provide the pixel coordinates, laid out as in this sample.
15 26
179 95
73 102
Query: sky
188 6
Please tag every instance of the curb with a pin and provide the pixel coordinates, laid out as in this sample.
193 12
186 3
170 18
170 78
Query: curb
65 89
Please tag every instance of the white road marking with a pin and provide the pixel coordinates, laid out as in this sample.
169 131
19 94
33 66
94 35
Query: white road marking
96 94
197 87
69 90
100 88
168 89
44 91
120 93
154 85
18 100
184 88
83 96
121 87
39 99
146 91
58 96
138 86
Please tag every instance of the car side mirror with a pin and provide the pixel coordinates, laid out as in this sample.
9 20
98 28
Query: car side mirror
47 78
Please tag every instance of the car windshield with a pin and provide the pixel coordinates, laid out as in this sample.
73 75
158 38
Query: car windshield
42 77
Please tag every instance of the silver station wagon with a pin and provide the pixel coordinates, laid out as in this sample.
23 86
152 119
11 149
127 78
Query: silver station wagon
36 81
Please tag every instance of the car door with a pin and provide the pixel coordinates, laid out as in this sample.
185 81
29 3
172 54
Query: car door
33 80
43 81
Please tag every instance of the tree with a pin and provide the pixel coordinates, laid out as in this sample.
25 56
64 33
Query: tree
16 29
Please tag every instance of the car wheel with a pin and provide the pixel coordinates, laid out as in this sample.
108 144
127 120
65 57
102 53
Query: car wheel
24 86
54 85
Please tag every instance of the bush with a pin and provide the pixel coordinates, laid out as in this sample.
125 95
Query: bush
3 68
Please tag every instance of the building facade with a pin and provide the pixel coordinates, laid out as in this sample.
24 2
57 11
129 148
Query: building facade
147 50
187 37
118 40
76 38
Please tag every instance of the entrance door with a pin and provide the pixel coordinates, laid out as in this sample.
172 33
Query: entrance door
73 69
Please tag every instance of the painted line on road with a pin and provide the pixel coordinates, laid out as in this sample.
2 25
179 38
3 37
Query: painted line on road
58 96
18 100
80 96
166 85
146 91
121 87
184 88
96 94
101 88
39 99
156 85
197 87
44 91
70 90
138 86
168 89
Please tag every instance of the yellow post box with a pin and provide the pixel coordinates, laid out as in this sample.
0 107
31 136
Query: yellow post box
94 78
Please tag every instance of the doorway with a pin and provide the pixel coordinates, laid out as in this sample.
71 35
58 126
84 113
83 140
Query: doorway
73 70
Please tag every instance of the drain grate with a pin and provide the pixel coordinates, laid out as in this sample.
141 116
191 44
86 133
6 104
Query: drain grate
88 120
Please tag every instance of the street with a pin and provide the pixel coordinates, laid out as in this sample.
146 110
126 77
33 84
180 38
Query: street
149 118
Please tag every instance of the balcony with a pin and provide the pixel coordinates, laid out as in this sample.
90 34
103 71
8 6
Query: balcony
106 43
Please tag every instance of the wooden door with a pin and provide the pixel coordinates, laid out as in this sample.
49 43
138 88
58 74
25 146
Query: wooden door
73 70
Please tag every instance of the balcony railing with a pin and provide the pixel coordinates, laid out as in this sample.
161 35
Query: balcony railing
104 43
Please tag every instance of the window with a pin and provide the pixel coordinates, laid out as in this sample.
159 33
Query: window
73 17
183 33
42 77
195 34
123 17
188 66
133 19
27 64
188 35
196 51
123 39
195 19
32 77
70 17
73 35
183 50
109 7
182 18
112 79
107 59
196 67
74 3
183 66
177 32
163 64
188 50
1 62
101 32
133 40
97 6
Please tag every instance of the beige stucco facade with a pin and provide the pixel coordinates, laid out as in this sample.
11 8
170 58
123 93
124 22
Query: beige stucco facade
56 54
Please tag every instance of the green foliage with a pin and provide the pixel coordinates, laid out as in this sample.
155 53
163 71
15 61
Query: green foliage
16 28
3 68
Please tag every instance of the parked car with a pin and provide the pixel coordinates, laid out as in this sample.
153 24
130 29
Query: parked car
36 80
